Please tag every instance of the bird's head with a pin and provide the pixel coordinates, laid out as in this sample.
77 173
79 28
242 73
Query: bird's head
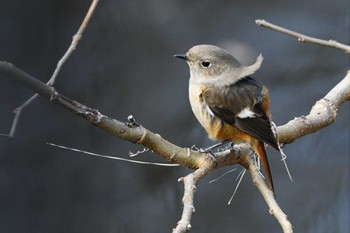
211 64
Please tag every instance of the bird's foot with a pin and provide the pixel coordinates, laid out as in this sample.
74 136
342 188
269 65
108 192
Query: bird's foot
210 149
205 150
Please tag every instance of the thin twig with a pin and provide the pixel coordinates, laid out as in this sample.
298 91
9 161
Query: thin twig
131 154
51 82
75 41
17 113
216 179
239 178
113 157
304 38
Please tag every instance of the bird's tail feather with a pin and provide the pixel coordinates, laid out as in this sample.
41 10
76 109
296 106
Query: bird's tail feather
260 150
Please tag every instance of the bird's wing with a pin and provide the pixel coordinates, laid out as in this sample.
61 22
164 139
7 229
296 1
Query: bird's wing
240 105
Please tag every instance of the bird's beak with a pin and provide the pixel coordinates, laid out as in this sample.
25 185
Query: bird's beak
181 56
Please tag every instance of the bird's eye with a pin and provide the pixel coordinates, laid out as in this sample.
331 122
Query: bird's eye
206 64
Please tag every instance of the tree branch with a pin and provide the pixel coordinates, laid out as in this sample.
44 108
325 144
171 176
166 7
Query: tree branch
304 38
322 114
190 185
129 131
51 82
268 195
75 40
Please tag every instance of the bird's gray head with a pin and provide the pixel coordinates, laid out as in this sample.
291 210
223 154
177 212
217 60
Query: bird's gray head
213 65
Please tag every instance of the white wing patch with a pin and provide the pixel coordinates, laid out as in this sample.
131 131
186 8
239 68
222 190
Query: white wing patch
246 113
208 110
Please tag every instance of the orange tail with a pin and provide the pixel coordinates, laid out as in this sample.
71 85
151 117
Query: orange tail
260 150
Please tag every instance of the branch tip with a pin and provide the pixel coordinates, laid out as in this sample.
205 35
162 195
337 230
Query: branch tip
304 38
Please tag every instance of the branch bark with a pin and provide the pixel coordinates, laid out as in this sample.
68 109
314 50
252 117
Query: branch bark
190 183
322 114
129 131
268 195
304 38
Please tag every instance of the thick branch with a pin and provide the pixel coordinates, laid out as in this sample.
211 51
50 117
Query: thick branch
322 114
127 131
268 195
190 183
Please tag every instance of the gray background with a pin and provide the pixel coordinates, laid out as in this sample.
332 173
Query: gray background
124 65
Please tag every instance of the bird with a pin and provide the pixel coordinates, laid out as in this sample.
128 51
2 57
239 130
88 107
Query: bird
228 103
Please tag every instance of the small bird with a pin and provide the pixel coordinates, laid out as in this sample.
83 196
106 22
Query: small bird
227 102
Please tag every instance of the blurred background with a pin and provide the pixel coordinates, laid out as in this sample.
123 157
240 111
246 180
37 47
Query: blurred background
124 65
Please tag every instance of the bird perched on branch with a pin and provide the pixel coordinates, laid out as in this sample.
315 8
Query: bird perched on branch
228 103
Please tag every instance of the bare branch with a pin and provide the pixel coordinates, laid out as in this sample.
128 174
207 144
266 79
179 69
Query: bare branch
17 113
75 41
134 133
71 49
322 114
268 195
304 38
190 182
